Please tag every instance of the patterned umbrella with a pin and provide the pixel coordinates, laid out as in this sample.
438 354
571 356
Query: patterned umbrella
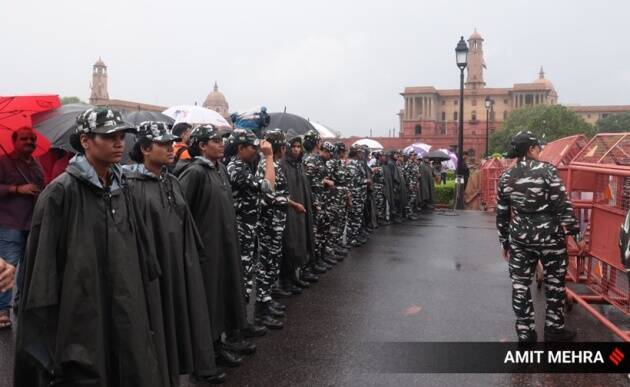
420 148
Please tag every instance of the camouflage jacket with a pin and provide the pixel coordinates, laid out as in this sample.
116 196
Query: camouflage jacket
315 169
356 175
278 198
246 190
411 170
532 206
624 242
338 173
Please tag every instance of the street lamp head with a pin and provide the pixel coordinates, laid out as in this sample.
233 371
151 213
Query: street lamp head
461 53
488 103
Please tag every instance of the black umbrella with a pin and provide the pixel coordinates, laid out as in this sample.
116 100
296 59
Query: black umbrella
138 116
286 121
58 124
437 155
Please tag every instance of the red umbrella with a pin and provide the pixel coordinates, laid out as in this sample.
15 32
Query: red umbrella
16 111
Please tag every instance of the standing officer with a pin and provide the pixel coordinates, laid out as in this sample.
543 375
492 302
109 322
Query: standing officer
322 186
534 215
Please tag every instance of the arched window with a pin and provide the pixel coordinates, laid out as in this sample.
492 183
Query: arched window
454 116
418 129
473 115
505 115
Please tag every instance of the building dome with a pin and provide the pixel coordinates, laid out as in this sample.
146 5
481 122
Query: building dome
475 36
99 62
542 81
216 101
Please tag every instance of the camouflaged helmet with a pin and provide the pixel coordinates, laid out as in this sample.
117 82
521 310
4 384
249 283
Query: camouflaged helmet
525 138
293 137
243 137
206 132
328 147
102 120
156 131
275 136
312 135
340 147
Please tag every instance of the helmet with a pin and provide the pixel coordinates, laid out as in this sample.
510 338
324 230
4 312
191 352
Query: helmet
312 135
328 146
275 136
156 131
243 137
340 147
102 120
206 132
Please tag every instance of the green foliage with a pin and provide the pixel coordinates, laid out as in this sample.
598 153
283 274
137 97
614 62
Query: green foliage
554 121
445 193
68 100
450 175
614 123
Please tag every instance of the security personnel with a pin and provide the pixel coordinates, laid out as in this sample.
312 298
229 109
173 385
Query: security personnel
411 170
319 174
380 201
534 216
340 200
247 188
357 183
314 162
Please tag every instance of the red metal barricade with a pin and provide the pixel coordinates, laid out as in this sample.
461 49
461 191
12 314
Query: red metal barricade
489 175
560 152
598 182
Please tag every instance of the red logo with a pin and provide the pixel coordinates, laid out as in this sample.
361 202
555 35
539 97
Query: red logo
616 356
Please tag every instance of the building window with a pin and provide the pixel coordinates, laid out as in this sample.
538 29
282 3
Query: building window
454 116
492 115
443 102
474 102
604 115
505 101
418 129
455 102
588 115
529 99
505 115
473 116
443 116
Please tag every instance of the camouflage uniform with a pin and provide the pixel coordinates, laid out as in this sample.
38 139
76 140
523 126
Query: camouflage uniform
358 189
411 170
532 210
315 170
271 223
336 205
247 187
379 193
624 243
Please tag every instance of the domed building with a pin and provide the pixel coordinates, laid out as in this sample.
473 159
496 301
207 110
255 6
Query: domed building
216 101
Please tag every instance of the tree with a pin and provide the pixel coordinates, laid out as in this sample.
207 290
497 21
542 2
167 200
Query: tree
68 100
614 123
550 122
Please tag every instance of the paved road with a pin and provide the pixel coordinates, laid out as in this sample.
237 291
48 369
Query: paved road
436 279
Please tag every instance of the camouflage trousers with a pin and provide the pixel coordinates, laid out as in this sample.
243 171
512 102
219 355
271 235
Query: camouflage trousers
319 222
522 265
247 244
413 196
270 229
336 212
355 216
379 202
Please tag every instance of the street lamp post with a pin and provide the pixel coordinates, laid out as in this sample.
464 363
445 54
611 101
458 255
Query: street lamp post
489 105
461 56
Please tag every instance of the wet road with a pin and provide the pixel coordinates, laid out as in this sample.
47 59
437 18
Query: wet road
437 279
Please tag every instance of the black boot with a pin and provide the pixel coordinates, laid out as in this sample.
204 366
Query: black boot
300 283
253 330
280 293
226 358
235 343
308 276
216 378
532 337
557 335
263 317
277 306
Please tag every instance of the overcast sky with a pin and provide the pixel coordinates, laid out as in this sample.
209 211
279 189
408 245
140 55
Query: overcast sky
339 62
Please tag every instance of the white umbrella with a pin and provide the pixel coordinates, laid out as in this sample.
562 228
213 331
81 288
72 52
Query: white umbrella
372 144
325 131
452 163
420 148
192 114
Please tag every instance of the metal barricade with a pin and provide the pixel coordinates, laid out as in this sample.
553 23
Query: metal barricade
489 175
598 182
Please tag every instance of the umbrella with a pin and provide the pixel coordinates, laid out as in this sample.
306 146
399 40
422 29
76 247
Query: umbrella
192 114
16 112
452 162
286 121
58 124
372 144
139 116
325 131
437 155
420 148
